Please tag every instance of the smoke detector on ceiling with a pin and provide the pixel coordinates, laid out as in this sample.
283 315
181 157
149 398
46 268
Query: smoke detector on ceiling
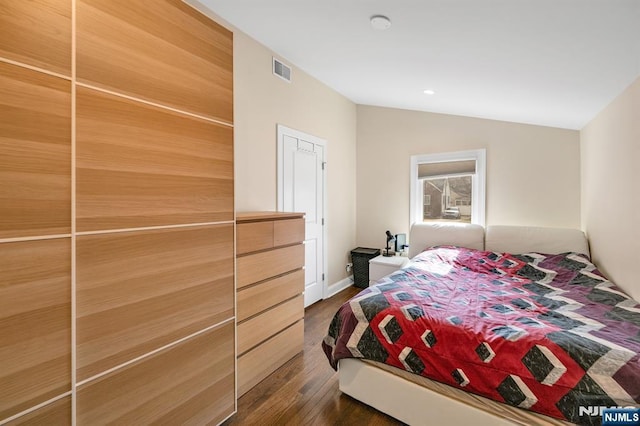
380 22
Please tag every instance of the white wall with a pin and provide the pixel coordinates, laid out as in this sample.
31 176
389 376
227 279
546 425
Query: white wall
610 150
262 101
533 172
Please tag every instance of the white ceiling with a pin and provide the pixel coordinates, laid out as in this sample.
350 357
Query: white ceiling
548 62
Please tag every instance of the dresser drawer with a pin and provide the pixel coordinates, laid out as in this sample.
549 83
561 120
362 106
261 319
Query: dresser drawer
288 231
260 266
254 236
255 299
261 327
263 360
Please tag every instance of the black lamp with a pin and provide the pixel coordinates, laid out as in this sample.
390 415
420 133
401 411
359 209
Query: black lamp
390 238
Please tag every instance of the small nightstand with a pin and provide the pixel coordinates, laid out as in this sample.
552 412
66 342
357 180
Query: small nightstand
381 266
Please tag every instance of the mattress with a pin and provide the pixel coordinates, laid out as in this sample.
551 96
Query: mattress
547 333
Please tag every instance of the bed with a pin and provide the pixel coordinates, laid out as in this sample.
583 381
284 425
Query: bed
490 327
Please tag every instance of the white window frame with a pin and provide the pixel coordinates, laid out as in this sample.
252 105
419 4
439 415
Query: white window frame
478 187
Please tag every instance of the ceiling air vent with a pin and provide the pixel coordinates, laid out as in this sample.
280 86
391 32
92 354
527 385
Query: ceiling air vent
281 70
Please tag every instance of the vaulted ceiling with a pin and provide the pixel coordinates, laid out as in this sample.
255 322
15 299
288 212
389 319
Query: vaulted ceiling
547 62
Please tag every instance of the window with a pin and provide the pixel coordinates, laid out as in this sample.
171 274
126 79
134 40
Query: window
451 187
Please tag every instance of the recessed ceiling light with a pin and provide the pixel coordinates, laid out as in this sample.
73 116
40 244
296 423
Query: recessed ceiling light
429 92
380 22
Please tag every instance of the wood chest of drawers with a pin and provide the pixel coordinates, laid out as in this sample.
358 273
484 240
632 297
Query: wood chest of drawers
270 285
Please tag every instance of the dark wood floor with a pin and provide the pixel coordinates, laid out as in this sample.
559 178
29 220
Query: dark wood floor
305 390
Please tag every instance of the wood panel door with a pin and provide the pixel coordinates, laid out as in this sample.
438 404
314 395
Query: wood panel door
191 383
140 165
35 164
35 323
37 33
163 52
117 214
301 188
138 291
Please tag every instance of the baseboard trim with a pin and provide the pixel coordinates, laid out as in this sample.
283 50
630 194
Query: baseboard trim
336 288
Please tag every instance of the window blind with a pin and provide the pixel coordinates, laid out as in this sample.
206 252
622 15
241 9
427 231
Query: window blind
446 168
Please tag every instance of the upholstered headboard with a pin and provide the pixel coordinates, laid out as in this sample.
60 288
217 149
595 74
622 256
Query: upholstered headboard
524 239
424 235
509 239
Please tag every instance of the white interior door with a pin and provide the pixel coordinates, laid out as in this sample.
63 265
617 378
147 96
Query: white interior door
301 189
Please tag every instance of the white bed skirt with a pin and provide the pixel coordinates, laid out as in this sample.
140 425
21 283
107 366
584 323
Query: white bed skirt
417 405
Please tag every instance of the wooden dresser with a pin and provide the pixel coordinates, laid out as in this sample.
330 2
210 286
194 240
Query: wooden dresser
270 285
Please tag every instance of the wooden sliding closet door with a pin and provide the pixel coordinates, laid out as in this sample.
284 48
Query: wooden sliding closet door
37 33
140 165
161 51
36 153
35 323
154 199
35 209
116 214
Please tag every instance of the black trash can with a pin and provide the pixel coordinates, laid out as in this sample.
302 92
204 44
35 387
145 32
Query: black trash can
360 257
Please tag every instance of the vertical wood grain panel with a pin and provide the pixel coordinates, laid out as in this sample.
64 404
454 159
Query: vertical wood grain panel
35 153
139 165
57 413
138 291
37 33
188 384
163 51
35 323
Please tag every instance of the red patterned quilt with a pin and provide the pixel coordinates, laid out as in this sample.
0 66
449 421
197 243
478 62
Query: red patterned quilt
546 333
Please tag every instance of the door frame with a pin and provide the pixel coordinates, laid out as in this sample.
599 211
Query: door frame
281 131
